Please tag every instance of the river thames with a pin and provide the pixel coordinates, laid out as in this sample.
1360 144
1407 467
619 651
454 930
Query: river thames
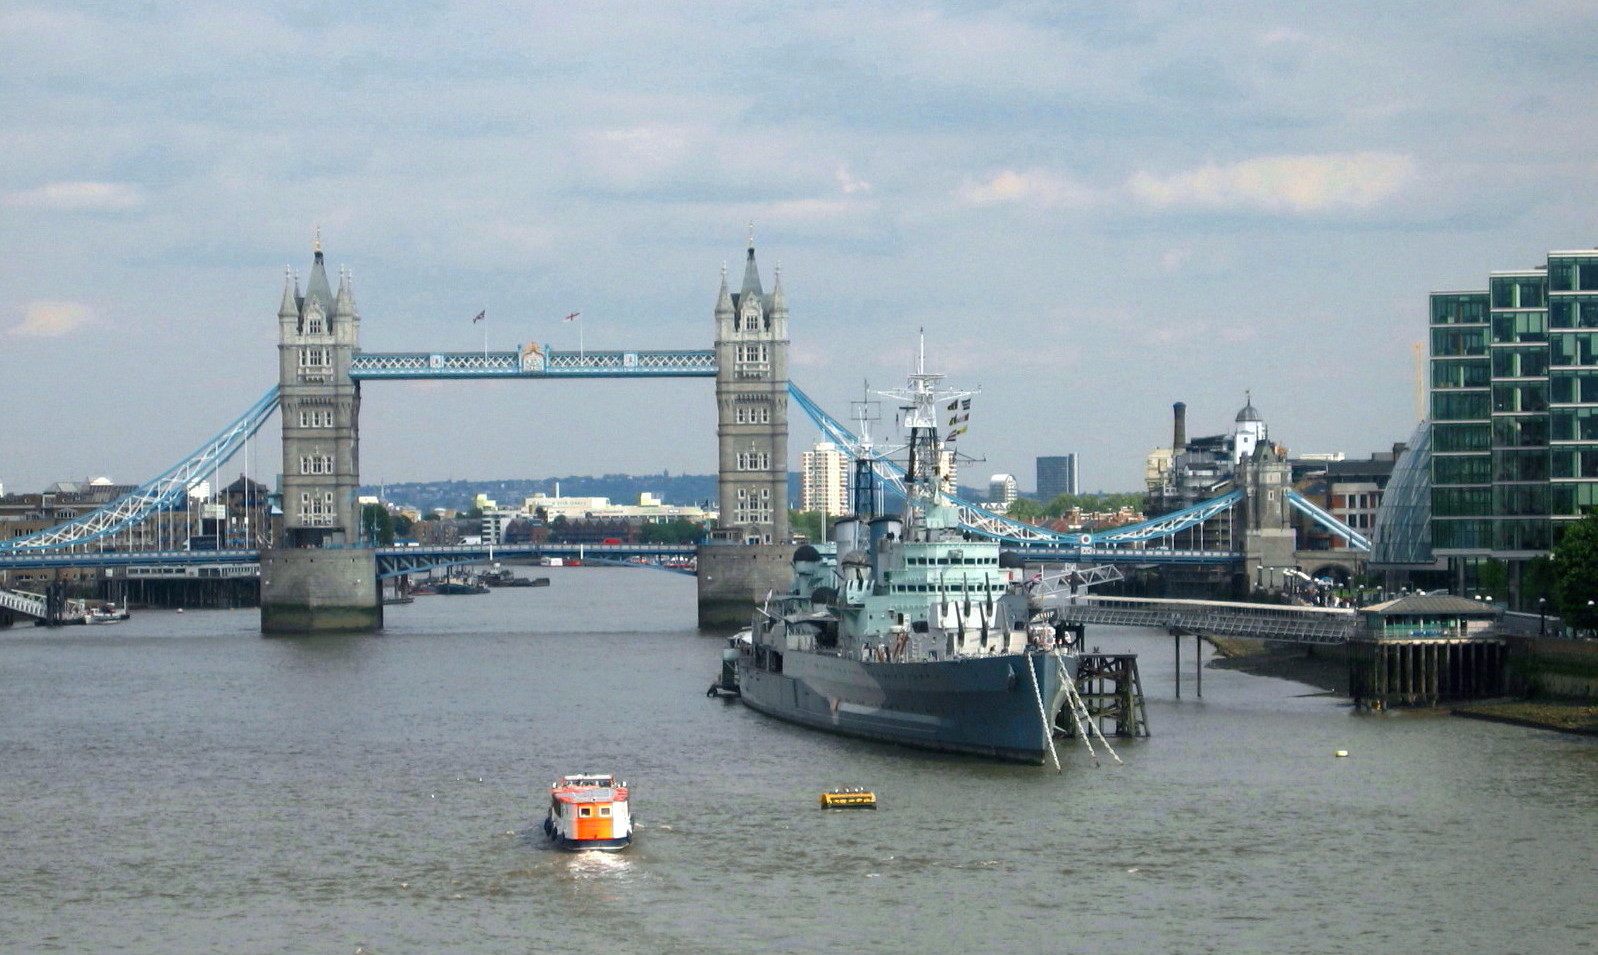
177 783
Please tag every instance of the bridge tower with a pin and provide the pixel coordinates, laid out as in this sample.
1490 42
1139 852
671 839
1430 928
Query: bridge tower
317 333
1268 539
750 550
319 578
752 409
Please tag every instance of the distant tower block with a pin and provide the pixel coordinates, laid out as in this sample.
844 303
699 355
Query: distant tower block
752 409
319 578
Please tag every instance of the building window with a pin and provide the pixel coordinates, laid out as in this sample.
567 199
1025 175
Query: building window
754 460
317 418
752 414
316 464
316 509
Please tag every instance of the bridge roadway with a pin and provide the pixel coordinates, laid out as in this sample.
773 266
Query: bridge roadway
391 561
1214 618
1289 624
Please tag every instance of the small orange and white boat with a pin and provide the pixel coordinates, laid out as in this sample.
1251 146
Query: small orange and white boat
589 811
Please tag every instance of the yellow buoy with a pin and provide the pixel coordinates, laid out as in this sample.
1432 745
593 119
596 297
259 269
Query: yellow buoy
1341 752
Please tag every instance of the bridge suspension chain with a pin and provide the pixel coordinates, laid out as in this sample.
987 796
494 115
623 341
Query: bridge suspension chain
138 504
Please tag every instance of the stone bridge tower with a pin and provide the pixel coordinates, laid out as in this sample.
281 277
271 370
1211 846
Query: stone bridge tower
317 333
321 577
750 551
752 409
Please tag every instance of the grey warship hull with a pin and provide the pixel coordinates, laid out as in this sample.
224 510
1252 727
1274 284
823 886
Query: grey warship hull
1000 706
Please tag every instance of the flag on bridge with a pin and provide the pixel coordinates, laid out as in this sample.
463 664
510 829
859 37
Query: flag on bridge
571 316
479 316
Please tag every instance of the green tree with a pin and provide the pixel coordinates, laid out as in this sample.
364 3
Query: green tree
679 531
377 526
1575 559
1492 577
811 524
1538 581
1026 509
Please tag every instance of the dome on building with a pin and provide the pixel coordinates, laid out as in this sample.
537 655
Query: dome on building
1249 413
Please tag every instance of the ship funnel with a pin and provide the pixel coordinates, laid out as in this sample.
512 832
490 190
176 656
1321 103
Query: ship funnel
888 527
1179 430
846 533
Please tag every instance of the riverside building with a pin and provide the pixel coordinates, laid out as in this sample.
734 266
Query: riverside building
1514 414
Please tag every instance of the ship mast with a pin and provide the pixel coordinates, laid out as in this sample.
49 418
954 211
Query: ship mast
921 402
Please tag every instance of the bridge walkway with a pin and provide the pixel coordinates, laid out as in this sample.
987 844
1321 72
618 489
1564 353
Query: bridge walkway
1287 624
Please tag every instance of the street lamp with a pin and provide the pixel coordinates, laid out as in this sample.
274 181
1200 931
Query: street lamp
1542 616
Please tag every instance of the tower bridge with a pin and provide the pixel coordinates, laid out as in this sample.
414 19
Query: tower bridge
322 576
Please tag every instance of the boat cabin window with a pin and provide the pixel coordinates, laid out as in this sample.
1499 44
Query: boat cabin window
604 810
585 811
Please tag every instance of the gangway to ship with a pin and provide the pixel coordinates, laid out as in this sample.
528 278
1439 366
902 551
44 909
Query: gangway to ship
38 605
1278 622
27 604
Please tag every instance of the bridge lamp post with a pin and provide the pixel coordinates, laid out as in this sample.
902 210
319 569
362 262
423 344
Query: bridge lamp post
1542 616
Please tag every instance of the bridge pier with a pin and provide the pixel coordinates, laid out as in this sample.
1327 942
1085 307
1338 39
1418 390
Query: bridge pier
311 590
734 579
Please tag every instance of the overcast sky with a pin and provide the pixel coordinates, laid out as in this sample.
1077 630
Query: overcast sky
1094 209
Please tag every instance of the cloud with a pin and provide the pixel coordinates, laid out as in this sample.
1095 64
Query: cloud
1031 187
1281 184
52 319
848 183
78 197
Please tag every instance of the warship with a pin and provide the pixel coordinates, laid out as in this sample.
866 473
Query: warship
904 629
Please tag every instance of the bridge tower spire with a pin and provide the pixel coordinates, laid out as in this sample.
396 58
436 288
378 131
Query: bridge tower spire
752 409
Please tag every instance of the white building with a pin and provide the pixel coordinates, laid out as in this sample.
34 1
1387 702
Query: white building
649 509
824 480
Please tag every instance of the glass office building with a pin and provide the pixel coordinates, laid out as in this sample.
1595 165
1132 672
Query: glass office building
1055 476
1514 410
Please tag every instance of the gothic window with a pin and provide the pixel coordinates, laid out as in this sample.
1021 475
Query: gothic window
314 323
316 464
754 461
316 509
317 418
752 414
751 319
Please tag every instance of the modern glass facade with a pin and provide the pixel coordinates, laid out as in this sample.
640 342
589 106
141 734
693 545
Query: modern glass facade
1402 538
1055 476
1514 409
